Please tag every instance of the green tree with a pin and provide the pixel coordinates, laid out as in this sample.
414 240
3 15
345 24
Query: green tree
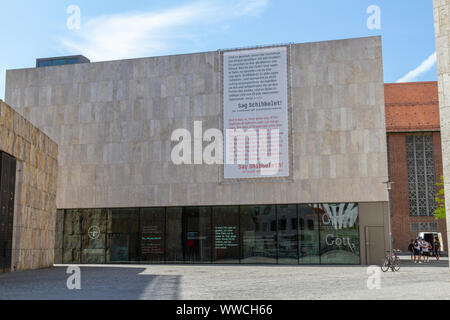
439 213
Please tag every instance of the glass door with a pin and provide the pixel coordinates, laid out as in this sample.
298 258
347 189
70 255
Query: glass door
258 234
197 234
287 234
308 225
123 236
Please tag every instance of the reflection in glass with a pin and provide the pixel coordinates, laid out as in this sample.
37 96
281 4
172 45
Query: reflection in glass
45 63
59 62
93 238
339 233
123 236
174 242
287 234
197 234
153 225
72 237
309 234
226 234
258 234
59 236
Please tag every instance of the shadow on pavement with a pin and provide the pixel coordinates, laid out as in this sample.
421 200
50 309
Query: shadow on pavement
96 283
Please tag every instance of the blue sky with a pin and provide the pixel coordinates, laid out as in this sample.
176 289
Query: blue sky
140 28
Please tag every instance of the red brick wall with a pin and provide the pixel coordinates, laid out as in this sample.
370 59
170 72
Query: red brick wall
401 220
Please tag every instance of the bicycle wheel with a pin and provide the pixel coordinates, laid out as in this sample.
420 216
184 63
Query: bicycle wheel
396 264
386 264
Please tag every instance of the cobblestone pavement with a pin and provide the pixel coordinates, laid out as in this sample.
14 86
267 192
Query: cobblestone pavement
202 282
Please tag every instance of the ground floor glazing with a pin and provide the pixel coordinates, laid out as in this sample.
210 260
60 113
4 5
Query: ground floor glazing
270 234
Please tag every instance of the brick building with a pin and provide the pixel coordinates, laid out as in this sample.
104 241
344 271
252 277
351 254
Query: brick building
415 159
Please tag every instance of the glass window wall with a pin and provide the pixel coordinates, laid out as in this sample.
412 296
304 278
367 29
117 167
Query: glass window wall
226 234
258 234
264 234
152 235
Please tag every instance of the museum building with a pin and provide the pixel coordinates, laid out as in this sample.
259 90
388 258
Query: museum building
121 197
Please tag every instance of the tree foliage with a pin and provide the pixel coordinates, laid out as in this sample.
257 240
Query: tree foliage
439 213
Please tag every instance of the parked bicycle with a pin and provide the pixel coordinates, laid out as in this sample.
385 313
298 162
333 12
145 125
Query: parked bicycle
391 261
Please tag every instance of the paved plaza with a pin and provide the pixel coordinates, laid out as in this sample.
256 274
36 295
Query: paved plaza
203 282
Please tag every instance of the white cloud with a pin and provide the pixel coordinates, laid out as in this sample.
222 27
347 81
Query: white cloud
426 65
250 7
138 34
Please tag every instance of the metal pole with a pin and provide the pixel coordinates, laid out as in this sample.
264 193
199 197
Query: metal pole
389 218
388 189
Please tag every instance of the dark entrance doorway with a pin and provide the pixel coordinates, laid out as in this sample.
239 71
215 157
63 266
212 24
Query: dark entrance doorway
197 234
7 189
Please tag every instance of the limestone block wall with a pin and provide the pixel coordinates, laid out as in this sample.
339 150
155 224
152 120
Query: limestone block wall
442 30
35 192
113 121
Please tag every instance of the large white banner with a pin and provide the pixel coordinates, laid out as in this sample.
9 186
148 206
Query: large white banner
255 110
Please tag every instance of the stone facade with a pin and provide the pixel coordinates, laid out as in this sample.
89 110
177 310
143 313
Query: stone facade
442 30
113 122
35 191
